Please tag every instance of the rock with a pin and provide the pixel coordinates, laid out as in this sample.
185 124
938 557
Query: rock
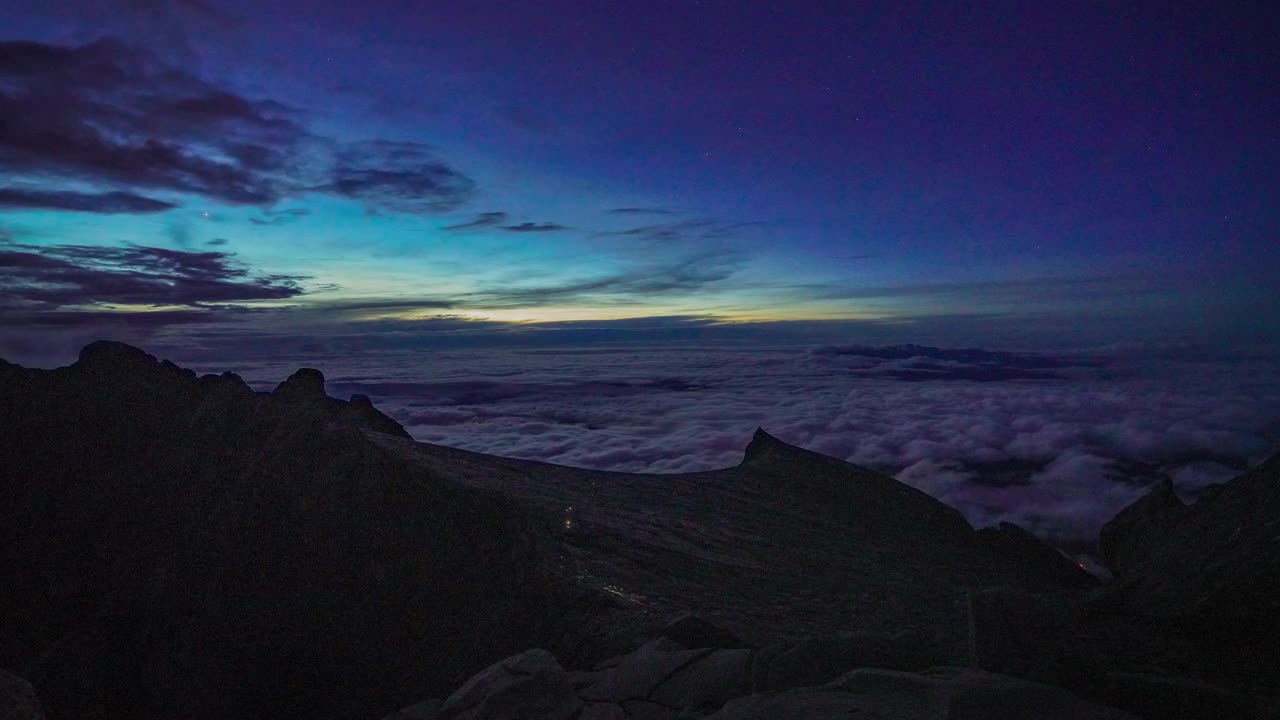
18 699
640 673
307 542
694 632
1046 567
816 660
807 704
108 355
645 710
425 710
303 384
164 536
1155 696
1136 531
528 686
602 711
938 694
708 682
1211 568
763 444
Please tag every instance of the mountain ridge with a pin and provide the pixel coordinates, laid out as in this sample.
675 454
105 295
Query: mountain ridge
311 543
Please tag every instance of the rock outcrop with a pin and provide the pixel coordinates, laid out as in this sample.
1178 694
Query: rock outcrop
18 699
664 681
1211 569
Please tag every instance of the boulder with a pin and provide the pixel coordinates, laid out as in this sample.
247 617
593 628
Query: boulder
646 710
637 675
694 632
708 682
425 710
816 660
528 686
937 694
1157 696
18 699
602 711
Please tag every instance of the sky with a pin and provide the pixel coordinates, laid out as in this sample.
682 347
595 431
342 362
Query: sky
229 175
624 235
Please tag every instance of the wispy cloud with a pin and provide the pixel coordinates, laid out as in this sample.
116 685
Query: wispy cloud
486 219
49 277
105 203
682 276
534 227
641 211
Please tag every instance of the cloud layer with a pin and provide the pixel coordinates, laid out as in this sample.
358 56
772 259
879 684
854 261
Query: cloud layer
1059 456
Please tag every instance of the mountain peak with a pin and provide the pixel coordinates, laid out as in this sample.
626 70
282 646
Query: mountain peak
304 383
109 353
761 444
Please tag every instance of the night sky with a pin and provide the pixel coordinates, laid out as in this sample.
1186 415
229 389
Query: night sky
1019 175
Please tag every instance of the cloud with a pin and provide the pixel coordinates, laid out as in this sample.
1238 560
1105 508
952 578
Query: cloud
104 203
110 115
1058 456
684 231
106 113
398 176
534 227
217 242
43 278
641 211
280 217
487 219
919 363
683 276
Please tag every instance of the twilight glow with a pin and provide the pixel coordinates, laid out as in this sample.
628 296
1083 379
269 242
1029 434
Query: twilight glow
203 173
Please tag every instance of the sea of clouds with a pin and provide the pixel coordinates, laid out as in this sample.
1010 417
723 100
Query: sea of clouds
1056 444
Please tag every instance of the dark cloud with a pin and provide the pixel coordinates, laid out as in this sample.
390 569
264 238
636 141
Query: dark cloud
35 278
398 176
280 217
920 363
111 115
106 113
680 277
217 242
534 227
684 231
104 203
641 211
488 219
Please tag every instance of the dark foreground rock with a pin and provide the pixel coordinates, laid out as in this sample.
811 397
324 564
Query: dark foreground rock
181 546
1210 569
18 699
664 681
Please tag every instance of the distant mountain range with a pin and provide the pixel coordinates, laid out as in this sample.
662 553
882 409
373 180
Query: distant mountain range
182 546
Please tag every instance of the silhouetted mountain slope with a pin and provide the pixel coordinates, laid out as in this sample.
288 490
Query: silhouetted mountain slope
1212 567
176 546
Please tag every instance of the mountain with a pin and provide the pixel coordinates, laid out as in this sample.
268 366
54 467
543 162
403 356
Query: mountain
182 546
1211 567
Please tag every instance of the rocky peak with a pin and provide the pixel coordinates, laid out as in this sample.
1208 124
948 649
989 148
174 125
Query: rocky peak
108 354
303 384
1140 526
763 444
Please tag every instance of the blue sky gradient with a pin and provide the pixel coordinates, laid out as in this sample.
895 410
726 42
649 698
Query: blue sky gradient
1013 176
